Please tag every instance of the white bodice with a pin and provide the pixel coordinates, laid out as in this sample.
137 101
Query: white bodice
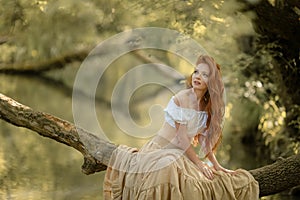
193 119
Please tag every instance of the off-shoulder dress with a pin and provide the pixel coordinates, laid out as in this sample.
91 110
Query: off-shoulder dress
160 171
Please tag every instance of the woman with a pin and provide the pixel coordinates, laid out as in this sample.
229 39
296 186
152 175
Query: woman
167 167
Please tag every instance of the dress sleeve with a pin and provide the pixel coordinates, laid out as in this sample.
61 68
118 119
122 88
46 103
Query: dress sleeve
175 113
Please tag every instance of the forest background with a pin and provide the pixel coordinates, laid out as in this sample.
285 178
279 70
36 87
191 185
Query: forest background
43 44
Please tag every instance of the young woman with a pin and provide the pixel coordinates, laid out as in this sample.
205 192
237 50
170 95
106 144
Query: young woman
167 167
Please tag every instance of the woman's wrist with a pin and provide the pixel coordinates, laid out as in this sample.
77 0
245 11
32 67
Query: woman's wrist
200 164
217 167
205 170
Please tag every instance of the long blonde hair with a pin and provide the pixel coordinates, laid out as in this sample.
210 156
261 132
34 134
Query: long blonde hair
213 103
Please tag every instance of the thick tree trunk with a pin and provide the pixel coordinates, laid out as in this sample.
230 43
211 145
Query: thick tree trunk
279 176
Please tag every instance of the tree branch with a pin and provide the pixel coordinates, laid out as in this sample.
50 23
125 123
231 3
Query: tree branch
96 151
280 176
277 177
3 40
39 67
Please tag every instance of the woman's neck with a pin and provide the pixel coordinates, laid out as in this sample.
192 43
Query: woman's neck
199 94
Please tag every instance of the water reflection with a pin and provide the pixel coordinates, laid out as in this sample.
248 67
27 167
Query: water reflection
33 167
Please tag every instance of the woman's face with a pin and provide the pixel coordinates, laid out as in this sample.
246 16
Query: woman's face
200 77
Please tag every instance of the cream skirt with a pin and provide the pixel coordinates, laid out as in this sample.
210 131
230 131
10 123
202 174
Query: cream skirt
156 174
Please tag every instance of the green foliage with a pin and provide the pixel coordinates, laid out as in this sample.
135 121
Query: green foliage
38 30
266 85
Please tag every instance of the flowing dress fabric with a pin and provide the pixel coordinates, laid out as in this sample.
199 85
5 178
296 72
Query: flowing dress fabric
158 173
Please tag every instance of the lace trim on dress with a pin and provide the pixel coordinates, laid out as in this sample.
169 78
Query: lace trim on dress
195 120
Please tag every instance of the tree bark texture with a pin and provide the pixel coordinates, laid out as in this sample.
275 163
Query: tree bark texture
96 152
274 178
279 176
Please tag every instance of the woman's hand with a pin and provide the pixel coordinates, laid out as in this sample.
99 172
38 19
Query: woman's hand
220 168
211 156
206 170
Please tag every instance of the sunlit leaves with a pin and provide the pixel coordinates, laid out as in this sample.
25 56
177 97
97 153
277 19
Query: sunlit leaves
272 125
228 110
273 119
42 5
251 90
50 28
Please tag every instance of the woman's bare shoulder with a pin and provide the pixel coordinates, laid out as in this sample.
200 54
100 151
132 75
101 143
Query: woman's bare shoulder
182 97
183 93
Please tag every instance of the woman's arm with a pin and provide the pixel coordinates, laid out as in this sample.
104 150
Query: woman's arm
204 168
211 156
183 142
